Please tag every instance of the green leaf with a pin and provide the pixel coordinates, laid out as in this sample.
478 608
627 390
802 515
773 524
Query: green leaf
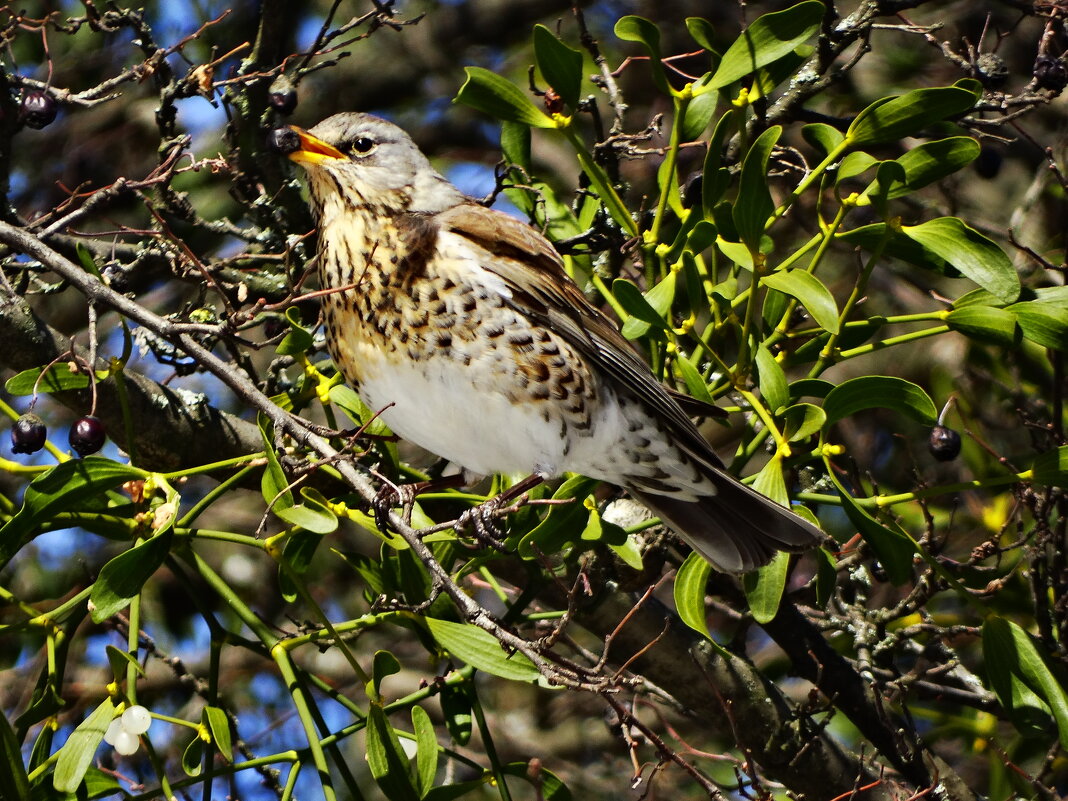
825 138
853 164
346 399
650 310
193 756
985 323
892 546
1051 468
383 665
810 388
311 516
77 753
123 577
802 420
298 339
1018 669
560 65
14 783
764 587
771 380
481 649
274 485
768 39
810 292
456 709
1044 323
767 79
699 112
754 204
219 726
641 30
932 161
689 591
886 120
563 524
970 252
547 784
695 382
500 98
826 577
715 177
61 489
121 661
58 378
879 391
702 32
386 759
426 749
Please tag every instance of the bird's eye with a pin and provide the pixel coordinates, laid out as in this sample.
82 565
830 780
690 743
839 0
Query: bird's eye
362 145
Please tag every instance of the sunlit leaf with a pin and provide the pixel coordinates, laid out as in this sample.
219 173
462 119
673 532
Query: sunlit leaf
386 759
772 380
500 98
894 118
77 753
879 391
219 726
14 783
638 29
61 489
560 65
123 577
481 649
1051 468
426 749
767 39
689 591
754 205
1020 673
764 587
812 294
970 252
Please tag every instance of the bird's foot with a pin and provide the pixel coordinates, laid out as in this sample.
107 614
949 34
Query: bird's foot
390 496
480 520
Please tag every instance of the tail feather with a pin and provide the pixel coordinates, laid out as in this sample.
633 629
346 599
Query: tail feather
736 529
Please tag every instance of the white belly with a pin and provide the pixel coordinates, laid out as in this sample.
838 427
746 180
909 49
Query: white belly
452 410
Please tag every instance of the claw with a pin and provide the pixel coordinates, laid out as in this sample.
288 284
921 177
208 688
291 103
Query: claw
480 520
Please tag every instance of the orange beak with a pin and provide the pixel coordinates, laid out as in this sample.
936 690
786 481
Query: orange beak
312 150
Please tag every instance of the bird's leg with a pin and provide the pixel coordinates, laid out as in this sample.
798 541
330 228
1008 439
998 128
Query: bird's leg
390 495
480 519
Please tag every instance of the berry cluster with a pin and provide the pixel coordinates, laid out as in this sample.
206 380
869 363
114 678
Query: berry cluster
87 435
125 731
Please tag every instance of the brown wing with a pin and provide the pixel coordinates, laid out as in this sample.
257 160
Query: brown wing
543 291
735 527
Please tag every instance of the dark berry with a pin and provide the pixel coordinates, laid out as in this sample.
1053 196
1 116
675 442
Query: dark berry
283 140
1050 73
282 95
38 109
28 434
274 326
87 435
944 444
988 163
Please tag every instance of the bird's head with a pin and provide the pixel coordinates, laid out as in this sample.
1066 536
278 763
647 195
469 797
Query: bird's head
369 160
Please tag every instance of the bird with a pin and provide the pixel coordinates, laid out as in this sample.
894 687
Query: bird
460 324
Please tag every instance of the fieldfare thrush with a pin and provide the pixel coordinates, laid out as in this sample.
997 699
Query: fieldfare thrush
465 330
